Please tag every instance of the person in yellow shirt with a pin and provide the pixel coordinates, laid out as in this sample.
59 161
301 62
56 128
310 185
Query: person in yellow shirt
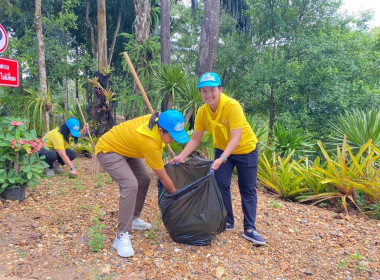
235 146
57 142
121 151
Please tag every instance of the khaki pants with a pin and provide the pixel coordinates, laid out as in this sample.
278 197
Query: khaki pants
133 179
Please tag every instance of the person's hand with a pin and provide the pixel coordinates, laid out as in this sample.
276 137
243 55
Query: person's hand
73 172
170 190
218 162
86 127
177 159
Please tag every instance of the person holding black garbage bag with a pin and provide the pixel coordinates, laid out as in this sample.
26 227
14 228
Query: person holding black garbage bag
235 146
120 152
57 142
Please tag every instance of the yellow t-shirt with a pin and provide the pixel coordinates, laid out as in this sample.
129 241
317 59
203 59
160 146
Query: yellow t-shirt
229 115
54 140
134 139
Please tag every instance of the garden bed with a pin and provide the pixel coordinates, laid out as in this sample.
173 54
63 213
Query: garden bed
46 236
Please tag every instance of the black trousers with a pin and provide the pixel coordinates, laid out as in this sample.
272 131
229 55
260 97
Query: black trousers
246 165
52 156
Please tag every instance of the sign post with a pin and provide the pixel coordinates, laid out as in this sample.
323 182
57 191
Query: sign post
3 39
9 75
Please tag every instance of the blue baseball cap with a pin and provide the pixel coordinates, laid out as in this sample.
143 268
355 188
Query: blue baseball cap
174 122
73 125
209 80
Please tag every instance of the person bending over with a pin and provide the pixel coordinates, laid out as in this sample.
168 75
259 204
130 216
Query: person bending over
121 151
57 142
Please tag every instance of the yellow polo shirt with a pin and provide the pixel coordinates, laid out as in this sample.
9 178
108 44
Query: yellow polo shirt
134 139
54 140
229 115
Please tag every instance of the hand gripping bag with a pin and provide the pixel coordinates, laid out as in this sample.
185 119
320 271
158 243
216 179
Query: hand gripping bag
195 213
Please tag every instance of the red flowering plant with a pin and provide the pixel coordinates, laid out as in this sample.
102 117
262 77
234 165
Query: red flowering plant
19 160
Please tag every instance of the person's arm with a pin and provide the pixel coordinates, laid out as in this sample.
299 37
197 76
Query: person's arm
165 180
67 161
84 130
191 146
231 146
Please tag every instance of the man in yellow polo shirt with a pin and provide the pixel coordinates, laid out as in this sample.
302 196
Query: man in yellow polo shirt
235 146
121 151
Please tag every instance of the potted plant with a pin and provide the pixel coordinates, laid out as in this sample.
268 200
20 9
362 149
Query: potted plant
20 165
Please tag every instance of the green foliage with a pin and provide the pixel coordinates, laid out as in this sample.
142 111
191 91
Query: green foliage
37 103
282 175
256 126
169 82
358 126
145 57
348 173
275 204
96 238
19 160
291 139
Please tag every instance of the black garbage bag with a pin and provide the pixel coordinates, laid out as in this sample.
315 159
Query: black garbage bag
195 213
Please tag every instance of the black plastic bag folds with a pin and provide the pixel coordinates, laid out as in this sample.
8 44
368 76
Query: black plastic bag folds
195 213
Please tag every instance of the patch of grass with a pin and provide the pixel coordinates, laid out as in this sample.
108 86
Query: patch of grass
78 184
275 204
63 191
99 181
95 232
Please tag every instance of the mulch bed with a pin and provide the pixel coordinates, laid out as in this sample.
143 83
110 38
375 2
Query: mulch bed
45 237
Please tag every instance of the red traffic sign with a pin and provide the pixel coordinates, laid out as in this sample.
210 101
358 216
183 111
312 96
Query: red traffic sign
3 39
9 76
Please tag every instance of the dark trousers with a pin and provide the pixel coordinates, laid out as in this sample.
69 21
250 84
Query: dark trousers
246 165
52 156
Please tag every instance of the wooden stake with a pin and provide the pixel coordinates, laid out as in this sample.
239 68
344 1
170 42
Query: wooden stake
96 164
137 80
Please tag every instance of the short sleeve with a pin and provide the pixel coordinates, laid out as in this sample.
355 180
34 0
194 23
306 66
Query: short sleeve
236 116
199 119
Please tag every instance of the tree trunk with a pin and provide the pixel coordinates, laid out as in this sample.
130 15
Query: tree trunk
41 57
98 111
165 31
142 25
102 34
94 47
142 28
209 37
116 33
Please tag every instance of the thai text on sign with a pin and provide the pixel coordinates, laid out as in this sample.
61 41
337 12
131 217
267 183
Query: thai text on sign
9 75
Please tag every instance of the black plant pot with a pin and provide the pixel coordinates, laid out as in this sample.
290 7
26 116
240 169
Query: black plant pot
14 193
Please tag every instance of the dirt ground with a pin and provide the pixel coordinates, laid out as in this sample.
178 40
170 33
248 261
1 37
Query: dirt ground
45 237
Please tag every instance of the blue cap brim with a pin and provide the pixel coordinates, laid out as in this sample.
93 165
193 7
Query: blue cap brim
180 136
208 84
75 133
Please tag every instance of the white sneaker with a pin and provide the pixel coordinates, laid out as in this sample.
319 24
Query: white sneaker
123 245
140 224
57 168
49 172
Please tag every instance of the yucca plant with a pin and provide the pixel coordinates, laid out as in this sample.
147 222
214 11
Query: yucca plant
169 81
358 126
287 140
39 105
255 125
190 99
282 175
348 173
